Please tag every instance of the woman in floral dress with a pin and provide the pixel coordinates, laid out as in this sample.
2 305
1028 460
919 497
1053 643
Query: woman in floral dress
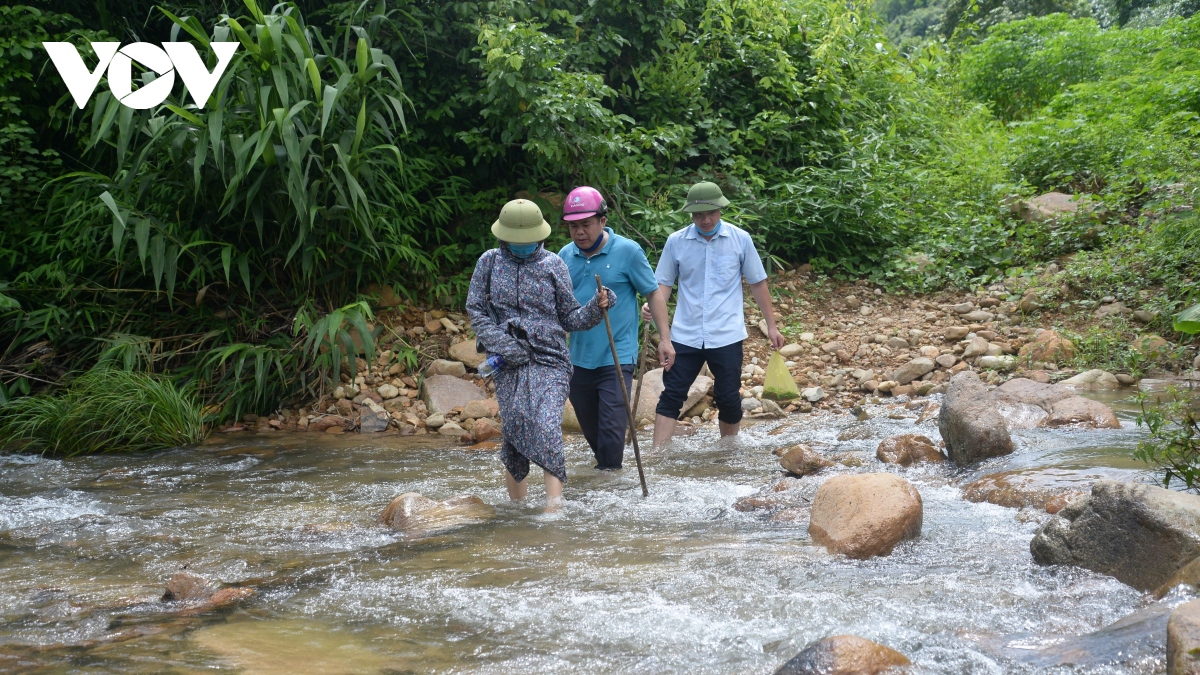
522 305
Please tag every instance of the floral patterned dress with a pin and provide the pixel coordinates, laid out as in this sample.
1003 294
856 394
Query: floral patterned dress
525 320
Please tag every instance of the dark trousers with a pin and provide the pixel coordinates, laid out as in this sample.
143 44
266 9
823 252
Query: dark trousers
600 409
725 363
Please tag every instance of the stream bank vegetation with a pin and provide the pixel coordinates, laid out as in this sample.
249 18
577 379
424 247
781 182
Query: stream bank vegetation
352 156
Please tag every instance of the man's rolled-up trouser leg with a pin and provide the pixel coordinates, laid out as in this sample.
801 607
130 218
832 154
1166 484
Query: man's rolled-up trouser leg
725 363
677 380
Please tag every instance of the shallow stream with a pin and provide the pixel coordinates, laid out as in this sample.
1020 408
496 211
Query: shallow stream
677 583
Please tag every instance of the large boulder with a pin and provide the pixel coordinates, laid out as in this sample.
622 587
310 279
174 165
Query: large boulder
1049 488
652 389
913 369
865 515
802 460
1026 404
844 655
465 352
969 422
570 421
1140 534
1183 640
1047 346
907 449
443 393
1050 206
417 515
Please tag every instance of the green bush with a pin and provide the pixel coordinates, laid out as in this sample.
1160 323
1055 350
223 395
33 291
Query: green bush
104 410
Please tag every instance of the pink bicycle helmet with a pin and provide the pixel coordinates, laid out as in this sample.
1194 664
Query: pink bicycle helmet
584 202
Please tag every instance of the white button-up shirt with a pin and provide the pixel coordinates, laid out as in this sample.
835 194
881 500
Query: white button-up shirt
708 312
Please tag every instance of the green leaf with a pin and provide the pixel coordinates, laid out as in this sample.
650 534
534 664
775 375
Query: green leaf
141 235
244 270
1188 321
330 99
118 228
158 258
226 261
191 26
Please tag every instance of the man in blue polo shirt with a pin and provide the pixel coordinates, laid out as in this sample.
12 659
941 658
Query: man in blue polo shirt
707 260
622 266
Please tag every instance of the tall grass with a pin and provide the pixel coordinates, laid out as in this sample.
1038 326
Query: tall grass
104 410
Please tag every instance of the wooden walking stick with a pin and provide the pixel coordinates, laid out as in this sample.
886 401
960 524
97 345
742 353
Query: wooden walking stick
637 396
637 454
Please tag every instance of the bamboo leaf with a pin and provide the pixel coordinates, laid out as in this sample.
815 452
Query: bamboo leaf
335 324
364 335
158 258
226 261
314 76
141 235
118 228
171 263
244 270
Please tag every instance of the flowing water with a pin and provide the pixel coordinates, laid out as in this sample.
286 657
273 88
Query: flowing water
677 583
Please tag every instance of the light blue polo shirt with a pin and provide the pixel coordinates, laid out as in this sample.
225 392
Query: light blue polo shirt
708 309
623 267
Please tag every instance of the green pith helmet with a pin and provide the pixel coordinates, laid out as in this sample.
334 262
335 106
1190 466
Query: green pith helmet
704 196
521 222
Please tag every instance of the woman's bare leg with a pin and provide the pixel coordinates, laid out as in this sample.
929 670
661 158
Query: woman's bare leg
517 490
554 490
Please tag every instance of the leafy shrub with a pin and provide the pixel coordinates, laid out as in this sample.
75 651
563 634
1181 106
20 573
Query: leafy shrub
104 410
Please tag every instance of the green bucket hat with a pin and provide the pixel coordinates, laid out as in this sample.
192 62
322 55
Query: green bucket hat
704 196
521 222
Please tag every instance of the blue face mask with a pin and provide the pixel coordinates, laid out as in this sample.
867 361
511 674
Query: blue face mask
710 233
523 250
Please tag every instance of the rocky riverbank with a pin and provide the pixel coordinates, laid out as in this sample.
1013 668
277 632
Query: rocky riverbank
847 342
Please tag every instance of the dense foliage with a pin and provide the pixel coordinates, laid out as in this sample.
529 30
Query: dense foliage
360 145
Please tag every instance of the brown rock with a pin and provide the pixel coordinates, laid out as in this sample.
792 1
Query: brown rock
1078 411
484 407
977 347
185 586
802 460
484 430
415 514
227 597
865 515
956 332
906 449
1060 406
446 367
1048 346
1183 640
1151 345
434 327
970 424
844 655
443 393
760 503
465 352
1047 488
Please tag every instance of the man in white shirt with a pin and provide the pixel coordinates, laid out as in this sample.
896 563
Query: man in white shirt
707 260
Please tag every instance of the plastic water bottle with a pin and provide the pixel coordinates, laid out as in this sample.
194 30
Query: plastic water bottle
489 367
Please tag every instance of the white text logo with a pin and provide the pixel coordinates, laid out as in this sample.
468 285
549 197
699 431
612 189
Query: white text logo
164 61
